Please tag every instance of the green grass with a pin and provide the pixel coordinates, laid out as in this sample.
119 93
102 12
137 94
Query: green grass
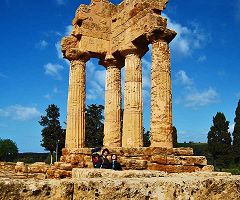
235 170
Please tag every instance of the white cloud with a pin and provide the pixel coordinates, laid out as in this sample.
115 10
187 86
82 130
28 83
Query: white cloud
54 92
19 112
188 39
182 77
197 99
190 95
59 51
95 81
53 70
42 44
68 30
146 73
231 128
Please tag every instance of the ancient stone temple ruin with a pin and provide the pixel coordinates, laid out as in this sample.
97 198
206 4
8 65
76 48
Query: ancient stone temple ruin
119 36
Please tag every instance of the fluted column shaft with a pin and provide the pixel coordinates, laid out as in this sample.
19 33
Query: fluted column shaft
75 132
161 95
132 118
112 115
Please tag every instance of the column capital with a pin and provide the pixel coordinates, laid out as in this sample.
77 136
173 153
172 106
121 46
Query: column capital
71 51
75 54
132 49
111 61
168 35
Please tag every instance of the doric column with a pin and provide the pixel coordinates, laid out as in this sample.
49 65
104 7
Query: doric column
161 95
132 117
75 131
112 113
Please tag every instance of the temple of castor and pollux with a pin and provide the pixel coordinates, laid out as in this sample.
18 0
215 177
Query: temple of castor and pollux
119 36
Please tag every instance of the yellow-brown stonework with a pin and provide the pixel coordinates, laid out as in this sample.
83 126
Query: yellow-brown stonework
119 35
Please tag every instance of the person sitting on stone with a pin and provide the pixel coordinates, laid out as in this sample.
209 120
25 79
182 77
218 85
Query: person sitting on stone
103 161
115 165
95 156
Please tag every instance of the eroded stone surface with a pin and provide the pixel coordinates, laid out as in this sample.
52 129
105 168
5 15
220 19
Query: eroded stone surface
139 185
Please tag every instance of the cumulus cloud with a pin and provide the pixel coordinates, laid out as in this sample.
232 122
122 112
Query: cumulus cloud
19 112
182 77
53 70
191 96
188 39
42 44
201 98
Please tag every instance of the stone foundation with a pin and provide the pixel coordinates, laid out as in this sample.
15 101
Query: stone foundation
136 185
174 160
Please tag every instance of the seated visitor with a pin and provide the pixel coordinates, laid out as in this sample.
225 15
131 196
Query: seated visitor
95 156
115 164
103 161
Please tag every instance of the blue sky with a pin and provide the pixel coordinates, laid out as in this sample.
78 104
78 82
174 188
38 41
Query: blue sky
205 66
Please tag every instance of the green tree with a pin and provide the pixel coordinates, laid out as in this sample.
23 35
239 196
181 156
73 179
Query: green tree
236 135
52 132
8 150
146 139
94 125
174 137
219 140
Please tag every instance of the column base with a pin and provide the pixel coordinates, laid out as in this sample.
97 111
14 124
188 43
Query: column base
174 160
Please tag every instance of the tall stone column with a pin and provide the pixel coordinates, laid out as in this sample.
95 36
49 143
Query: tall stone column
112 113
75 132
161 95
132 118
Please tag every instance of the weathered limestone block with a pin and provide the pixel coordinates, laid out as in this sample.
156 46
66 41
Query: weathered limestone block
60 174
133 185
159 159
184 188
112 112
75 131
173 168
161 96
57 164
134 164
183 151
38 167
108 173
21 167
35 190
66 166
208 168
132 117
